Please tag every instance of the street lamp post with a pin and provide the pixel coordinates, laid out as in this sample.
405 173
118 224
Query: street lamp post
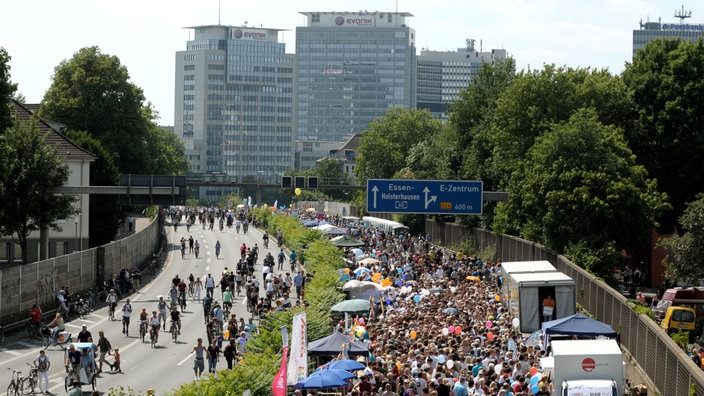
75 222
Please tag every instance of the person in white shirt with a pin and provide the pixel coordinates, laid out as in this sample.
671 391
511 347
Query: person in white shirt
42 363
126 313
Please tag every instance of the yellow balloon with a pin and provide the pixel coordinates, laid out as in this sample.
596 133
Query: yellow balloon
297 191
414 334
497 298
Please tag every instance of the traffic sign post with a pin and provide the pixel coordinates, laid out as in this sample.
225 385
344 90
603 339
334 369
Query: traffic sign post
453 197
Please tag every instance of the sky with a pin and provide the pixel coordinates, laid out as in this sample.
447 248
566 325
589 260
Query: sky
145 35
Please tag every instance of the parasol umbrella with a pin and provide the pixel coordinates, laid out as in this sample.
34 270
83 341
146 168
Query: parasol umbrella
346 241
321 381
334 231
533 339
368 260
362 271
473 278
341 373
310 223
451 311
345 364
358 252
352 284
352 306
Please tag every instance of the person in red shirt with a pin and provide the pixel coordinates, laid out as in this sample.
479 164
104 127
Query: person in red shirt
36 316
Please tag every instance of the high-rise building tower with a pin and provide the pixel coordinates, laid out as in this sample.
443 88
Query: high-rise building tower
352 67
234 101
443 74
655 30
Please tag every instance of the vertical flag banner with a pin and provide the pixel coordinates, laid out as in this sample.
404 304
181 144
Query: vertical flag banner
298 363
278 386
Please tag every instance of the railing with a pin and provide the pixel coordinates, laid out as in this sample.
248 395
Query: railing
667 366
37 283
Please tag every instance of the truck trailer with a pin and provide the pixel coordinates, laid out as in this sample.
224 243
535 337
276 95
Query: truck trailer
587 367
526 292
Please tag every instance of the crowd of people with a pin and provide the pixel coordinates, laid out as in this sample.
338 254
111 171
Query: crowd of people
441 329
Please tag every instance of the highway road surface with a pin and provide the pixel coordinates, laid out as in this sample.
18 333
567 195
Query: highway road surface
169 364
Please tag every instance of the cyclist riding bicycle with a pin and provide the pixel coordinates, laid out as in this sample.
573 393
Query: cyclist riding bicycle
176 319
155 323
112 300
182 294
143 316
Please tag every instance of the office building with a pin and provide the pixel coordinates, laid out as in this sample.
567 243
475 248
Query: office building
656 30
234 104
352 67
443 74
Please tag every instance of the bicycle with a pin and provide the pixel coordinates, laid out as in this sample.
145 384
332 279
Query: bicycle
174 331
31 329
31 381
183 252
15 383
190 289
143 331
111 311
153 336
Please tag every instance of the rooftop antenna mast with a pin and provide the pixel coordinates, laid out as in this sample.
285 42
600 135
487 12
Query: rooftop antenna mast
219 4
682 14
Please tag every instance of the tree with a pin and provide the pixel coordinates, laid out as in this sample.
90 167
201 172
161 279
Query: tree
384 146
536 100
471 120
166 152
7 90
684 253
580 184
34 168
92 92
104 209
666 83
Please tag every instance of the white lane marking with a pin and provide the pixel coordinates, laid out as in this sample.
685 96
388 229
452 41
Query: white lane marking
185 359
11 352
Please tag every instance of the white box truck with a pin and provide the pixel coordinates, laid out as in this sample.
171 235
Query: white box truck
522 267
527 292
587 367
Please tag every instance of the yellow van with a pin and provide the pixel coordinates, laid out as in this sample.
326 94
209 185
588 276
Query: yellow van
678 318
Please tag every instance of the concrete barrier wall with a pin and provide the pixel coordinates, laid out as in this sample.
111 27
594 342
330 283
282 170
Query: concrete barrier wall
669 369
21 286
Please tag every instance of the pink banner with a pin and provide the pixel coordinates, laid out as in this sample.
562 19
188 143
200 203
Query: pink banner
278 386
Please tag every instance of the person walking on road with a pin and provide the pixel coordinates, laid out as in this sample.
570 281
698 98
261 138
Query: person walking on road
282 258
230 353
104 348
126 313
197 287
42 364
213 353
199 361
209 285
